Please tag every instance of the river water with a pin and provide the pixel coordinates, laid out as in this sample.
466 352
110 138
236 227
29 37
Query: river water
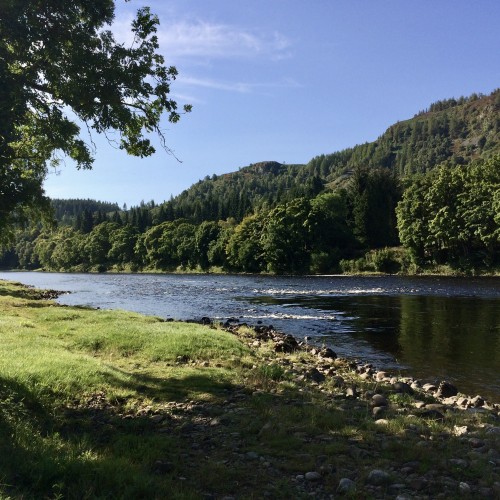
431 328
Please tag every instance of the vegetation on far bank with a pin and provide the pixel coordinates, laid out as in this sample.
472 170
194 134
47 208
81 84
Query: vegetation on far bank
448 219
112 404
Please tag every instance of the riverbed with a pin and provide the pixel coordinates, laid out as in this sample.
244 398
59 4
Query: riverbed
430 327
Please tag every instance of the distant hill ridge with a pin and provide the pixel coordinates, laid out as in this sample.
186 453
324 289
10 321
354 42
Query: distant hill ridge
451 130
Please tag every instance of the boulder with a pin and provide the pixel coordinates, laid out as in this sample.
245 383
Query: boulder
446 390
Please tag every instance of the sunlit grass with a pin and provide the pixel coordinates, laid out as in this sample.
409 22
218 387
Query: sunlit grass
80 389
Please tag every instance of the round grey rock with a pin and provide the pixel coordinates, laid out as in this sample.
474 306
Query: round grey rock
346 485
379 400
312 476
378 477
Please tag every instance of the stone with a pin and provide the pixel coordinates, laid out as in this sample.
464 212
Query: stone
402 388
378 411
163 467
476 443
251 455
379 400
315 375
346 486
477 402
431 414
312 476
458 462
446 390
351 392
429 388
378 477
327 353
464 488
460 430
379 376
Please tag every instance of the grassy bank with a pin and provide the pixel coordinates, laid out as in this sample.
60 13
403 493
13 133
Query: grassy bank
112 404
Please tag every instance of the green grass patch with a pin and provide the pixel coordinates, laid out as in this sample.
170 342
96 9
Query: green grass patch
113 404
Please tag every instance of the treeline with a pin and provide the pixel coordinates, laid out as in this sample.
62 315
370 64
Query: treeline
430 183
452 131
448 216
300 236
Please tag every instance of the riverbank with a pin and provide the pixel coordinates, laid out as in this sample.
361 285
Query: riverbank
111 403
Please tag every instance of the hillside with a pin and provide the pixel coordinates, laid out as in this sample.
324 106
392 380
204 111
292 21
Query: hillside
453 130
322 217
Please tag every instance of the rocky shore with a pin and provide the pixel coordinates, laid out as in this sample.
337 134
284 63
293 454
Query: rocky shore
422 441
265 416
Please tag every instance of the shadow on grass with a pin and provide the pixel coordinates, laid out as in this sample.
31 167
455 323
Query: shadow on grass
95 447
171 388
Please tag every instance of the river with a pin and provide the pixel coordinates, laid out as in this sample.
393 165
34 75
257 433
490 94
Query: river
432 328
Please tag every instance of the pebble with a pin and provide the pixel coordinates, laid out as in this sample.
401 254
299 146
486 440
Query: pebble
458 462
346 485
402 388
464 488
312 476
446 390
378 411
379 400
378 477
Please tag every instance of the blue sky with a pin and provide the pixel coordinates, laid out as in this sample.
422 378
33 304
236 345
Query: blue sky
288 80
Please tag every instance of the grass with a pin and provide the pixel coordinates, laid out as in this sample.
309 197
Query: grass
112 404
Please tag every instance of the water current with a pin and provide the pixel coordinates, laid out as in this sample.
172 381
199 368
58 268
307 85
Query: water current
431 328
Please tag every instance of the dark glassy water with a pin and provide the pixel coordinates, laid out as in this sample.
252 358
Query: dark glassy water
428 327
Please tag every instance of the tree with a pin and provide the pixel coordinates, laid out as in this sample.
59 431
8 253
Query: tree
244 248
452 215
286 237
58 56
374 194
206 233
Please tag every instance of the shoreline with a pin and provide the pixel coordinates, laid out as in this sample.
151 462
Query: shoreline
444 391
275 417
367 368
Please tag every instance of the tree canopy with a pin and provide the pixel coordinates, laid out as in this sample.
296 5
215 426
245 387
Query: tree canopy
61 69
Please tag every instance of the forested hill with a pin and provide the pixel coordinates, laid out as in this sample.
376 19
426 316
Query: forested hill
67 211
452 130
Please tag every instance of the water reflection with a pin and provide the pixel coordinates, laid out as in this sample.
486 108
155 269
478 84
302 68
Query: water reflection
429 336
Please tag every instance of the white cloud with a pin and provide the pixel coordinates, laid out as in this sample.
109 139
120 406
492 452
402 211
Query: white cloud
202 42
241 87
203 39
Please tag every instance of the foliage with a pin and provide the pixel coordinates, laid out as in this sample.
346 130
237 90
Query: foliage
336 213
59 60
373 196
452 215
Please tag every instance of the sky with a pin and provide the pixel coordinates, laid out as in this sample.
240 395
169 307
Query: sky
288 80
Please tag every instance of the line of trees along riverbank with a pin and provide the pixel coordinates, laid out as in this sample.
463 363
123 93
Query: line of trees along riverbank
448 216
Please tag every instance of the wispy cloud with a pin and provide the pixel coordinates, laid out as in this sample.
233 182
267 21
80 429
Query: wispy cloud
203 39
202 43
241 87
